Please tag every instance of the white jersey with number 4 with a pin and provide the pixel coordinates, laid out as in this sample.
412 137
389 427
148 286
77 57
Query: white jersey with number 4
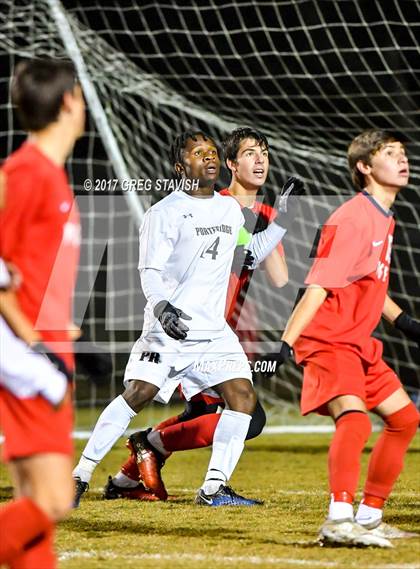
191 241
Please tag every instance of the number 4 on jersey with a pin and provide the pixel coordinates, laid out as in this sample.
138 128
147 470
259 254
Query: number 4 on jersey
212 250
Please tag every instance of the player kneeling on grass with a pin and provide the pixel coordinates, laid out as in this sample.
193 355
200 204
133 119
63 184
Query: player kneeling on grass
331 334
187 243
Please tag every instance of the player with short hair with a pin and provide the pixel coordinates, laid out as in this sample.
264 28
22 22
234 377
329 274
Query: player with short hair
187 242
331 333
246 152
41 238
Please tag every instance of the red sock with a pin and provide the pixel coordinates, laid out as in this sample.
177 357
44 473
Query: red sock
22 522
130 468
196 433
352 432
40 555
387 458
167 423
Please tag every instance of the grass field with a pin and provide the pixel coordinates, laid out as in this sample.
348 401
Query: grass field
287 471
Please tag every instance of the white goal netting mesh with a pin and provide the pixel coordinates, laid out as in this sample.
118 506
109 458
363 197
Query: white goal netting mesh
309 74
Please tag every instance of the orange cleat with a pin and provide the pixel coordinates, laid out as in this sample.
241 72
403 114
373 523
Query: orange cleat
149 462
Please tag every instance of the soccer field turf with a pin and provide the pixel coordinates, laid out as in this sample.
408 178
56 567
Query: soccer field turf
287 471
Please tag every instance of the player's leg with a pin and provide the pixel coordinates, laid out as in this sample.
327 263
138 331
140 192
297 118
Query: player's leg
228 443
110 426
401 420
44 495
334 385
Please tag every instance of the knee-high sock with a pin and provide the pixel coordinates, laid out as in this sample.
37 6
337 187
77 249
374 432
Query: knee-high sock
352 432
228 443
110 426
40 555
22 523
195 433
387 458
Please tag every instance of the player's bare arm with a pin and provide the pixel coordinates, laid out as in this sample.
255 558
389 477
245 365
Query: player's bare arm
303 314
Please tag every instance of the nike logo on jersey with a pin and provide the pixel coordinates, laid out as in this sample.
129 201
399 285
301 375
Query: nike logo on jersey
187 215
377 243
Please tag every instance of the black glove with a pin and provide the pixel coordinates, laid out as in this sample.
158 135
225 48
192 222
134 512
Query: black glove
254 223
169 317
408 326
288 202
280 357
95 362
56 361
242 260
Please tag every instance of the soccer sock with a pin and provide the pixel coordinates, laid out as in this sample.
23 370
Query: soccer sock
40 555
352 431
369 514
22 522
123 481
228 444
166 423
155 439
387 458
110 426
341 506
195 433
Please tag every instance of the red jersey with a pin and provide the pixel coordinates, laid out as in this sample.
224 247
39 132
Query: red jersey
40 235
352 264
237 285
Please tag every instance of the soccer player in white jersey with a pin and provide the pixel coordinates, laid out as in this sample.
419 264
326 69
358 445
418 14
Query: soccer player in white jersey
187 242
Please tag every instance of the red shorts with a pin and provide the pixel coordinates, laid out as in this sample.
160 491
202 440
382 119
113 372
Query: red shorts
338 371
32 426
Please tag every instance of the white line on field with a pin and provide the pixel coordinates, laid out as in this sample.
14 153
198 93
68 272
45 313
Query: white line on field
278 491
254 560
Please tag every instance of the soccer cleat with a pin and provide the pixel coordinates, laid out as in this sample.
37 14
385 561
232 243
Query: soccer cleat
387 531
225 496
347 532
139 492
81 488
149 461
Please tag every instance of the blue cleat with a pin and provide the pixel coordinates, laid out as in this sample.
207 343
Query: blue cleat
225 496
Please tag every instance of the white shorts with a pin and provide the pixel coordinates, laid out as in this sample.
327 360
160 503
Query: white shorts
197 365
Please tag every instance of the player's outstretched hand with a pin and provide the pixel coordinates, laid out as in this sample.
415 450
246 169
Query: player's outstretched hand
242 259
169 317
409 326
57 362
95 362
288 202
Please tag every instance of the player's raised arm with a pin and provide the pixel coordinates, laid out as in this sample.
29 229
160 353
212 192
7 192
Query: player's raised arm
263 243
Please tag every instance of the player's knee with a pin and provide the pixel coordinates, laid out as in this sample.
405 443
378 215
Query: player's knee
405 421
243 399
57 505
258 422
138 393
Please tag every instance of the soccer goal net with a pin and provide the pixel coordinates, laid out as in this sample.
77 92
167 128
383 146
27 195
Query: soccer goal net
309 74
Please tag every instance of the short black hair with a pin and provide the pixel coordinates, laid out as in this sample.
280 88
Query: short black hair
232 141
180 142
38 88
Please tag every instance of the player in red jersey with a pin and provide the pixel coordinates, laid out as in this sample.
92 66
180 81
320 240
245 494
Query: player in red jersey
331 333
40 237
246 152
